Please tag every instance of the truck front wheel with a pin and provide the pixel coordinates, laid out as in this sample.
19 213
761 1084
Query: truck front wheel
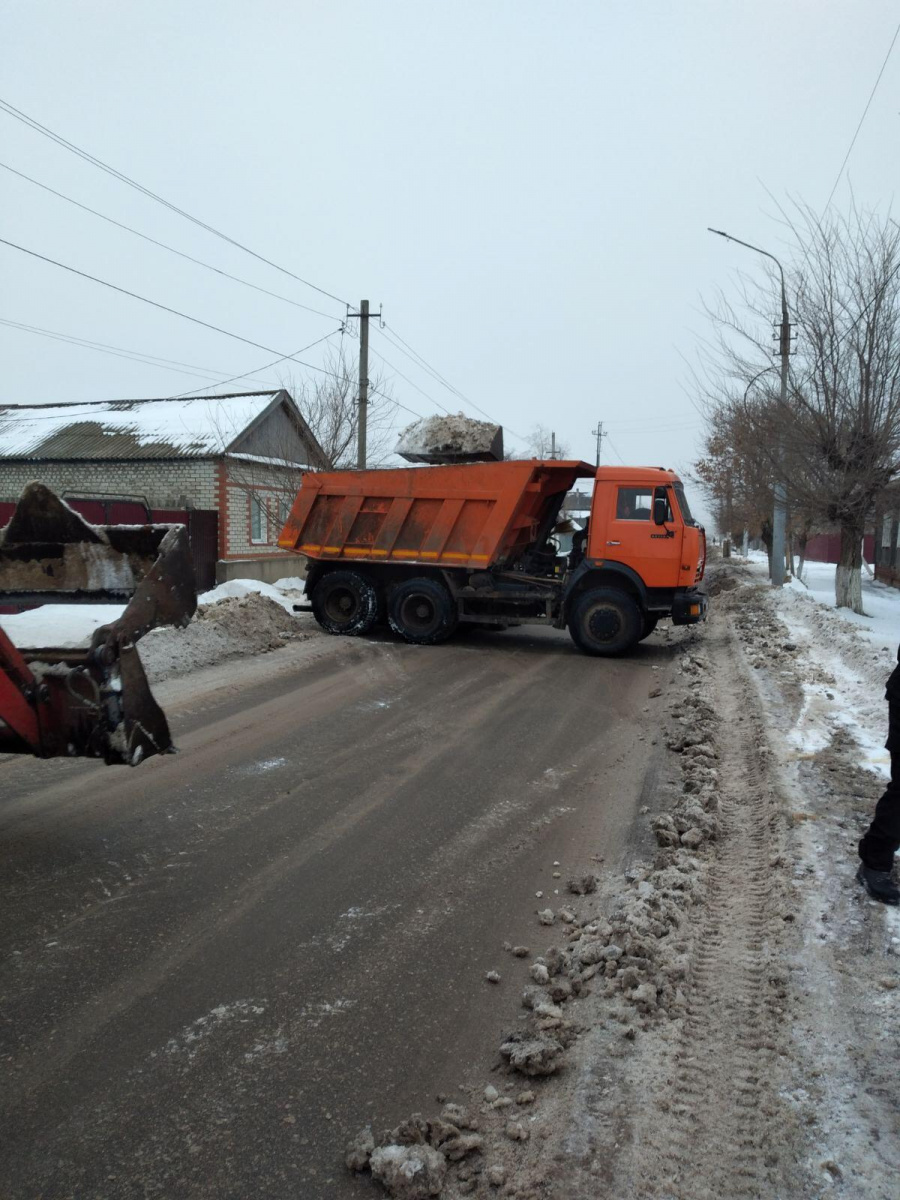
605 621
345 602
422 611
651 620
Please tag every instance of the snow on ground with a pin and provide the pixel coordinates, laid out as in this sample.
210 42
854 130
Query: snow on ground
63 626
286 592
71 626
846 658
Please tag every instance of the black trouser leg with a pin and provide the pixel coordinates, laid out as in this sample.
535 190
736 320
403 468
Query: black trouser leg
882 839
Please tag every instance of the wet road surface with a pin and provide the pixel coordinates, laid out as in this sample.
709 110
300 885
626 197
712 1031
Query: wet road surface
219 965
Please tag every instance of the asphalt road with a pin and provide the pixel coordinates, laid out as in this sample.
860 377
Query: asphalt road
217 966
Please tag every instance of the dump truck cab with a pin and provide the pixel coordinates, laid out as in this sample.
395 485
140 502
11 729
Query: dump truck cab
642 538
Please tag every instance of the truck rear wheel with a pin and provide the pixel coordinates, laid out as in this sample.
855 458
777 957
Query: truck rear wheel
422 611
345 602
605 621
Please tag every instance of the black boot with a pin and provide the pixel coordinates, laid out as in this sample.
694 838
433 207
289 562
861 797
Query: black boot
878 884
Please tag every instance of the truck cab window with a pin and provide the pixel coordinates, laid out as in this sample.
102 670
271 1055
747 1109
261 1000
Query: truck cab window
634 504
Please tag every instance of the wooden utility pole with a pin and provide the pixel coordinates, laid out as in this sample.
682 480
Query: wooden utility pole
363 315
598 434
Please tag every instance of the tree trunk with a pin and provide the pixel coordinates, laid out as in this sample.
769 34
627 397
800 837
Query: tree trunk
766 534
848 577
804 538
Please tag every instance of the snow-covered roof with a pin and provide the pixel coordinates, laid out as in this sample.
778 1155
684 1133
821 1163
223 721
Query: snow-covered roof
189 427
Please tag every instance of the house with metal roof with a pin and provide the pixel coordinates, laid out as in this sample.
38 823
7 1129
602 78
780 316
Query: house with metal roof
229 466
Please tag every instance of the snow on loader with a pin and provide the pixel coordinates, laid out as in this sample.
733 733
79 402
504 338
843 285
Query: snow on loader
92 702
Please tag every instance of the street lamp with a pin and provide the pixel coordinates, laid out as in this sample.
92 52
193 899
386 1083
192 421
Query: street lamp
779 515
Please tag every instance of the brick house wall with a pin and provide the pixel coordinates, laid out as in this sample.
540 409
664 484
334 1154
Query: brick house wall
223 485
166 483
271 490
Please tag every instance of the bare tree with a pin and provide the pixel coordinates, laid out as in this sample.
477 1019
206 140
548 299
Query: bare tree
541 444
329 405
837 441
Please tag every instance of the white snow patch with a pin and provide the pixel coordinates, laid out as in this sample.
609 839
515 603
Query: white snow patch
64 626
71 626
845 660
315 1014
265 764
286 592
239 1011
193 425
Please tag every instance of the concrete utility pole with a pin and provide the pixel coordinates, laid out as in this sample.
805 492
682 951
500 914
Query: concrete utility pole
598 434
779 514
363 315
553 445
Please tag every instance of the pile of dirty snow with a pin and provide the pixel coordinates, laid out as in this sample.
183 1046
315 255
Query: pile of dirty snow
227 628
244 616
842 659
454 436
286 592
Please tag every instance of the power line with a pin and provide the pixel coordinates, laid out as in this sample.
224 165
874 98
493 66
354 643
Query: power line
265 367
417 358
16 113
396 403
612 446
863 117
164 307
154 241
153 360
397 341
421 391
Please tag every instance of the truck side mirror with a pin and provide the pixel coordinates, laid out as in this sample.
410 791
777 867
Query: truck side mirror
660 506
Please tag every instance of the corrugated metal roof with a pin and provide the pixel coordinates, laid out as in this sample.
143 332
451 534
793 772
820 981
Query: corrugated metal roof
190 427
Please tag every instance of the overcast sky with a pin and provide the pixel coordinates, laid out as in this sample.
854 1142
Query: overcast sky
525 187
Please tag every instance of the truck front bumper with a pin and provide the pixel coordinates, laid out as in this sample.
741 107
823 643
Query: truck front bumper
689 608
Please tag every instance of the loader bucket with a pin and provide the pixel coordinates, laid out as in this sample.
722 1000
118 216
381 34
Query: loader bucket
93 702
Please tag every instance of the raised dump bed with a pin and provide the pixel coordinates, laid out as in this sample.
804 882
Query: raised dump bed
477 515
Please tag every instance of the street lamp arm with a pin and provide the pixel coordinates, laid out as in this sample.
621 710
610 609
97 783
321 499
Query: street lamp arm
758 375
731 238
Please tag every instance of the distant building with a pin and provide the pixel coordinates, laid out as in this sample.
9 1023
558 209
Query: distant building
229 466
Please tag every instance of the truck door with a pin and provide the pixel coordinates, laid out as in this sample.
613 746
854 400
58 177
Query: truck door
654 551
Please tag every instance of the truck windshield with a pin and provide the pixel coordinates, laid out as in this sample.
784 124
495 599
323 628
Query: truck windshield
683 504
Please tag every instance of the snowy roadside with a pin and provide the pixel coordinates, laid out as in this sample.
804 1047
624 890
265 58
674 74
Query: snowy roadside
843 658
241 617
819 674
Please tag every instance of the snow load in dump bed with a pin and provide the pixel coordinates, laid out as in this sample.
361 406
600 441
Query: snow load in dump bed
451 439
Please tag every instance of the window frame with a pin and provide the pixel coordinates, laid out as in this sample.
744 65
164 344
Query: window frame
258 506
637 490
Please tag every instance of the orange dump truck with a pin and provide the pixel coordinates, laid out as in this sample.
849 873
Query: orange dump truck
430 547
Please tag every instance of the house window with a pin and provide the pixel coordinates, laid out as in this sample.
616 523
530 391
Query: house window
258 531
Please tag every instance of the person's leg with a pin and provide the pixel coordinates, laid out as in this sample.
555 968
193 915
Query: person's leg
882 839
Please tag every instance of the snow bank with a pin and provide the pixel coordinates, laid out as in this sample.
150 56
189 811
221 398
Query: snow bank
71 626
286 592
230 627
64 626
846 659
